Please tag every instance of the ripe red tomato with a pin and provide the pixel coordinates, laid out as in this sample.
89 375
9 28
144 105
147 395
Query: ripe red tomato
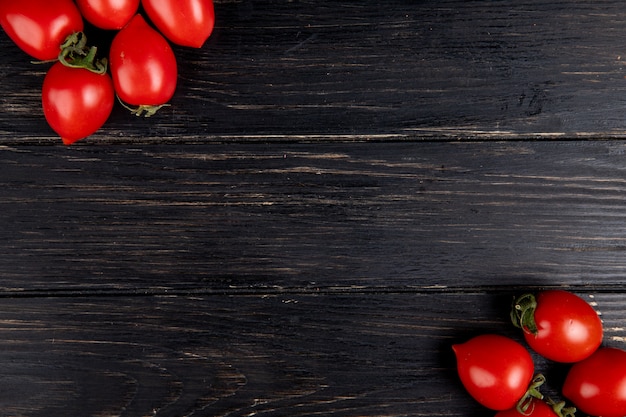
597 385
558 325
39 27
143 65
494 369
536 408
76 102
108 14
184 22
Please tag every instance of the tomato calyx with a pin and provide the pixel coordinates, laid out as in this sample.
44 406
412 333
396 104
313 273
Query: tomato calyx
524 404
560 410
76 54
523 313
145 110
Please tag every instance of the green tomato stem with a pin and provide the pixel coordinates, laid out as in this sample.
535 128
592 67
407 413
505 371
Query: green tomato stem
76 54
523 313
144 110
533 392
560 410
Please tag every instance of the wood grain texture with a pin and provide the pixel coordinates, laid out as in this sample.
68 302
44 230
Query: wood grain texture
365 215
285 354
338 193
217 356
285 70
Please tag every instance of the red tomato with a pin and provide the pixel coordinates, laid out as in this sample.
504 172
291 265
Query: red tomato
597 385
494 369
39 27
558 325
108 14
537 408
76 102
184 22
143 65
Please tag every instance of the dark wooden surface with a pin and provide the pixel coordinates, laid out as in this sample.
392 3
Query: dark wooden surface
339 192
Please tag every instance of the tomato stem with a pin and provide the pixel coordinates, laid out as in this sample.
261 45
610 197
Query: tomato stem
145 110
523 313
533 392
560 410
76 54
49 61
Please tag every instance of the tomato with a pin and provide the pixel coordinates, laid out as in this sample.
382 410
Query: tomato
597 385
143 65
494 369
536 408
76 102
108 14
39 27
558 325
184 22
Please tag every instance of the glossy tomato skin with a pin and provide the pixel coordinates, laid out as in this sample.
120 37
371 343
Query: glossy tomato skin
108 14
76 102
597 385
494 369
143 65
537 408
568 328
39 27
184 22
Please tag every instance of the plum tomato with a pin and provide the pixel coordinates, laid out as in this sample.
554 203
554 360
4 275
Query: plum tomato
76 102
39 27
558 324
108 14
495 370
597 385
143 66
184 22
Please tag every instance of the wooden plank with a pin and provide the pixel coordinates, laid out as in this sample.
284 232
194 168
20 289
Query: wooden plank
284 354
282 217
285 70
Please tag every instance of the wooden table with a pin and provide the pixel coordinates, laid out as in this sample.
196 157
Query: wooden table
338 192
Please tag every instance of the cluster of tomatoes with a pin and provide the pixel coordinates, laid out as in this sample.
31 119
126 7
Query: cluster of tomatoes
562 327
80 88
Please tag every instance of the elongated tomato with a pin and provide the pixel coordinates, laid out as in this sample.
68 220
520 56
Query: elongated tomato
494 369
597 384
143 65
108 14
184 22
559 325
39 27
76 102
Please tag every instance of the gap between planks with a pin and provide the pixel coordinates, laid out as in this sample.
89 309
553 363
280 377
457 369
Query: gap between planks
308 291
